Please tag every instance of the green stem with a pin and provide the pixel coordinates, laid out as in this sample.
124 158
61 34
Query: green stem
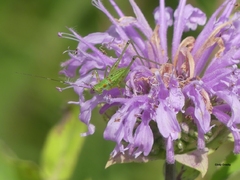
170 171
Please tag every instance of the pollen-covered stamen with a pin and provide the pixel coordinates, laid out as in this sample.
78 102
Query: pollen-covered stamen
74 52
154 46
166 71
187 67
67 36
218 40
207 100
221 46
188 42
142 85
212 40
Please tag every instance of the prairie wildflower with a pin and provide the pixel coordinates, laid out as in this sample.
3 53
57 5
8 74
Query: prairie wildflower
190 89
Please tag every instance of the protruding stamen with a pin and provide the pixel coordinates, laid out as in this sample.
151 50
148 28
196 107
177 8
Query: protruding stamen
59 89
62 89
73 102
74 52
67 36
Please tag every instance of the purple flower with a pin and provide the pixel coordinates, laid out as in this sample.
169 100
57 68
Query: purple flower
196 83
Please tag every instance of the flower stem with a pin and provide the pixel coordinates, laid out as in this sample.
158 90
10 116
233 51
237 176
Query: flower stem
170 171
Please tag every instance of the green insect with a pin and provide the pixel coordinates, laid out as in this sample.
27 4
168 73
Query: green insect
113 79
117 75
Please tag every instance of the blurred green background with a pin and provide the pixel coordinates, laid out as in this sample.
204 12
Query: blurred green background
30 107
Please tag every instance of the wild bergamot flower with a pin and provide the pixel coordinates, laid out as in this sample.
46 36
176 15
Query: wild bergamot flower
170 104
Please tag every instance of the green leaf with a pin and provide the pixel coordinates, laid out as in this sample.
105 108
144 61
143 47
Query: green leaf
62 147
156 154
196 159
126 158
220 136
13 168
185 172
228 169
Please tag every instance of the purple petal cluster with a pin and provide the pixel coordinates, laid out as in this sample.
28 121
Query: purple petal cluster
199 79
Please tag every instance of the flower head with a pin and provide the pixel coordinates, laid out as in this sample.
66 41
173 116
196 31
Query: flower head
161 96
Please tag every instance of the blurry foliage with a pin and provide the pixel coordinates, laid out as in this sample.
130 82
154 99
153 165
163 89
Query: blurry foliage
30 107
